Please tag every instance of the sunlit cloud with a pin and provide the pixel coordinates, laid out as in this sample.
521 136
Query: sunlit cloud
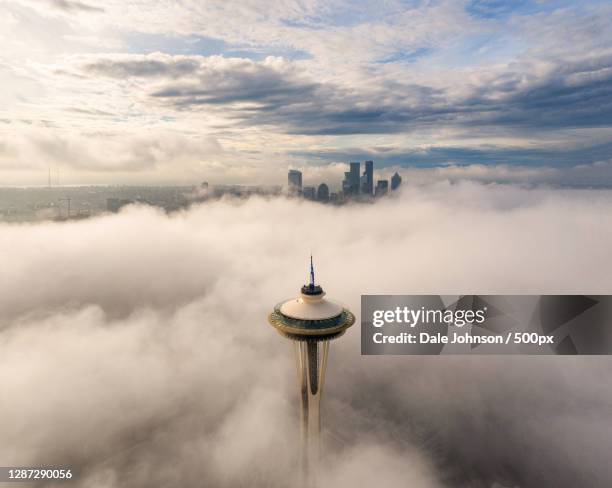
312 77
144 337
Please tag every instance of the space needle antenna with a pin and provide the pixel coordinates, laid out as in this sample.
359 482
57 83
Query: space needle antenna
312 278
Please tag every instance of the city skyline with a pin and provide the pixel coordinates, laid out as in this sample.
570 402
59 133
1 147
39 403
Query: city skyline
355 186
58 202
160 93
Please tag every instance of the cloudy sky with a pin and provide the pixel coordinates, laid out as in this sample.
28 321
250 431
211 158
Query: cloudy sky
179 91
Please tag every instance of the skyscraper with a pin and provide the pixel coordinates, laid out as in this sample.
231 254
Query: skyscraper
382 187
354 177
310 321
308 192
294 182
351 183
368 185
323 193
346 184
396 181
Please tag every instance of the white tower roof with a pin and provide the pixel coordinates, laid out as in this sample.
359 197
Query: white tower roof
310 307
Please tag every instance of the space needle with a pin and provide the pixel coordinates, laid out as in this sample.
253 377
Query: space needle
310 321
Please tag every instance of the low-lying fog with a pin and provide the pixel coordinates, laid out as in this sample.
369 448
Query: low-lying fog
135 347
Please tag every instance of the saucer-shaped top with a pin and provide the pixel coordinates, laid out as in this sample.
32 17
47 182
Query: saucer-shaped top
310 316
310 307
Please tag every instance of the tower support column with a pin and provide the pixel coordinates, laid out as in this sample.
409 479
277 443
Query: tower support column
311 359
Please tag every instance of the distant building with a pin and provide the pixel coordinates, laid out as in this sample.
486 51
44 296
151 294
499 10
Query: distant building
113 205
355 168
244 191
346 184
323 193
352 180
294 182
396 181
382 188
367 186
308 192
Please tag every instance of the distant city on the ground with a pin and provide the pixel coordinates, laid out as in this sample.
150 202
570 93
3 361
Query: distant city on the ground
56 202
354 185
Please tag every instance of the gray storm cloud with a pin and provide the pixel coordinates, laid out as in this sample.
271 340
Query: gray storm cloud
524 96
135 348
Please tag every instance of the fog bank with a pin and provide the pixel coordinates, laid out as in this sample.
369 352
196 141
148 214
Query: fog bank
135 347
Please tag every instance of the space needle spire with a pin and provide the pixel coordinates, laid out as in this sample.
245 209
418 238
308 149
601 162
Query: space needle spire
312 279
310 322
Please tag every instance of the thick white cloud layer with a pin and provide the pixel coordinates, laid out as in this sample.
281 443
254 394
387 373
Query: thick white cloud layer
135 346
